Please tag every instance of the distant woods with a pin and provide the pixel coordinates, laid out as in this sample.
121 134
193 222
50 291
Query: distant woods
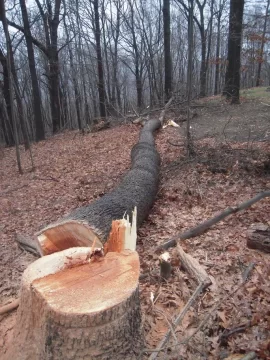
66 64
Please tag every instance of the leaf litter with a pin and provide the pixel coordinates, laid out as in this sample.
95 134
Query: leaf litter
73 170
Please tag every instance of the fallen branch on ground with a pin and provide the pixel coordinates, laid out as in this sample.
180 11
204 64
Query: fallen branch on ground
213 310
223 339
206 225
193 267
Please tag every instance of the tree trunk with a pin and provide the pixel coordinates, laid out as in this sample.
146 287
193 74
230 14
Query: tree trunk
217 73
232 79
258 80
74 78
93 222
101 85
10 82
40 134
139 86
6 92
203 68
19 102
167 49
5 121
190 150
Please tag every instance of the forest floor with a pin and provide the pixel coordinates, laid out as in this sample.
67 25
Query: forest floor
231 165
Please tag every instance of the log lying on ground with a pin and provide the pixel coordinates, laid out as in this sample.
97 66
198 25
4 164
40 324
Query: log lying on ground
258 237
73 309
93 222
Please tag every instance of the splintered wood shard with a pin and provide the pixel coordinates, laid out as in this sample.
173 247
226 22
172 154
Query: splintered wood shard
67 234
70 308
123 235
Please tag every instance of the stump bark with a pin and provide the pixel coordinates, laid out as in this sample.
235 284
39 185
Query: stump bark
72 309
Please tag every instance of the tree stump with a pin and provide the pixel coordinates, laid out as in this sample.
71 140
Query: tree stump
75 308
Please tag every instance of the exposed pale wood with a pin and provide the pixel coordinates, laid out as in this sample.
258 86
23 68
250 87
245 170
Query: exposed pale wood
70 308
123 235
65 235
165 265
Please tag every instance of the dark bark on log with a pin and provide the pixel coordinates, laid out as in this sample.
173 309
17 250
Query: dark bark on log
93 222
259 238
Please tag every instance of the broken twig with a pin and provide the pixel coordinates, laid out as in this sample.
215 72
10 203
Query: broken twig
193 267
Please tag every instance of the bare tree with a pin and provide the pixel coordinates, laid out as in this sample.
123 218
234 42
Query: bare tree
40 134
101 85
263 40
51 21
9 73
167 48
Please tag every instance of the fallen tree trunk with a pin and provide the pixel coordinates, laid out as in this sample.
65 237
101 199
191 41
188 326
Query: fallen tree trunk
258 237
92 223
72 309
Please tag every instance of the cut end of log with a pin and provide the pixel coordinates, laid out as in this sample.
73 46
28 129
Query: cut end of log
89 287
70 307
65 235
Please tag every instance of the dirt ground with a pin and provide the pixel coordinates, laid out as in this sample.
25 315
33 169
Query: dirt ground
231 165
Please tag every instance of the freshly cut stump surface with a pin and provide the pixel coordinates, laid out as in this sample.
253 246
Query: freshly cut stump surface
72 309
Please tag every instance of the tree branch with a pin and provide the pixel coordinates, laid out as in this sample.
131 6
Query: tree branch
34 40
203 227
68 42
